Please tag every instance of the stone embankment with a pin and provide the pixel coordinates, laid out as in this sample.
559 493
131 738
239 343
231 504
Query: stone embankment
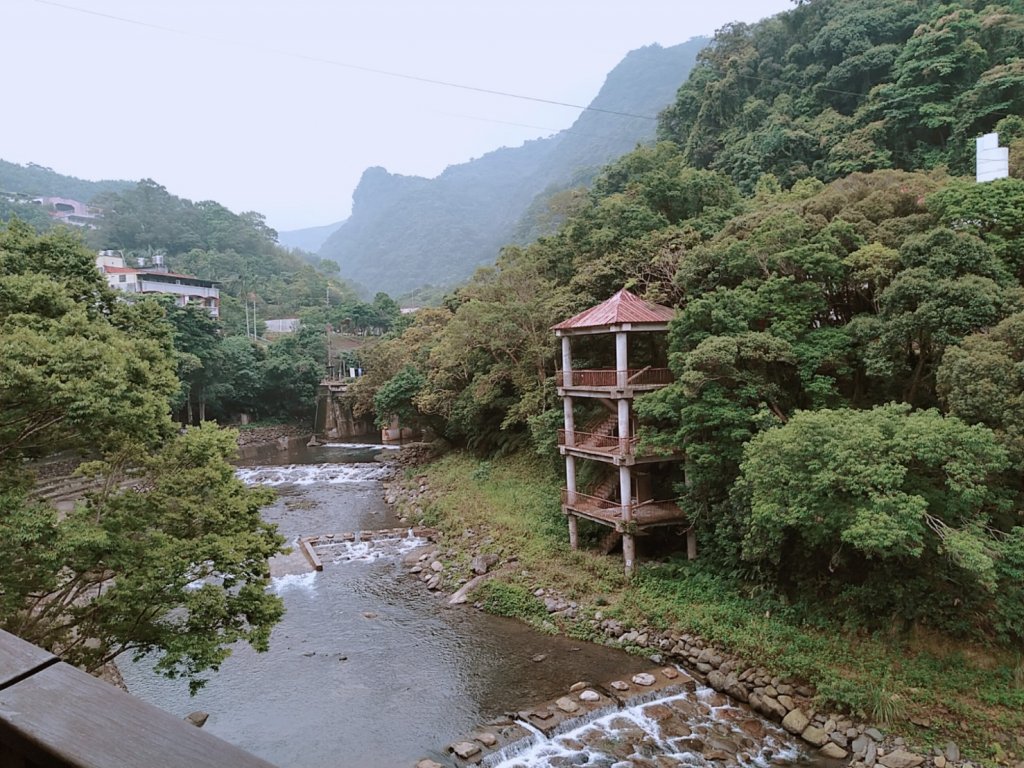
786 701
266 435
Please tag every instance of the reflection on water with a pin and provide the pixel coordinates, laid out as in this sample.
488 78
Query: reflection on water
367 668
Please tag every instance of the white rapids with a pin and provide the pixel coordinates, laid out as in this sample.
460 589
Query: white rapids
309 474
652 733
371 550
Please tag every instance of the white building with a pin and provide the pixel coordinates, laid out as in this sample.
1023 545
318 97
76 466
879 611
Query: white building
186 289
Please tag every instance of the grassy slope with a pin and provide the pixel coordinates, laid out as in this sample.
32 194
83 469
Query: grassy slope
964 693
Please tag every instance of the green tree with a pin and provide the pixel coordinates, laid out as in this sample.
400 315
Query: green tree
176 565
170 554
893 506
981 380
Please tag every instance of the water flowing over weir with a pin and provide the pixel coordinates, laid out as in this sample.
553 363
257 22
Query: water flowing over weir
367 668
692 729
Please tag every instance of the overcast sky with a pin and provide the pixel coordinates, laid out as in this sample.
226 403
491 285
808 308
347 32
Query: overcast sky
249 102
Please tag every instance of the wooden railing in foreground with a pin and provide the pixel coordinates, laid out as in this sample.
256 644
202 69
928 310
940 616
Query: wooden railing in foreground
53 715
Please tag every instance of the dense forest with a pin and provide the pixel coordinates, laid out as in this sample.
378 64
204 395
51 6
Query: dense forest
849 334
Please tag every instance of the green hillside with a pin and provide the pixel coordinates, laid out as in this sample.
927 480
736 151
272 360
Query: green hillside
38 181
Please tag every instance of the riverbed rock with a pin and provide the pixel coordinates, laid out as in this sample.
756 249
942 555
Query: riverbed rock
462 594
716 680
833 751
437 566
901 759
482 563
589 695
465 749
818 737
198 718
772 707
567 705
952 752
619 685
486 738
870 754
860 745
644 678
428 764
795 722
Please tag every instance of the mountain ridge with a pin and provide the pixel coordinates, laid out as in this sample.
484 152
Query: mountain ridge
407 231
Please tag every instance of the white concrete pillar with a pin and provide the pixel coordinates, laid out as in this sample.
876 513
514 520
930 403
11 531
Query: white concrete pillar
624 433
621 358
691 544
566 363
570 422
626 498
570 478
629 553
574 532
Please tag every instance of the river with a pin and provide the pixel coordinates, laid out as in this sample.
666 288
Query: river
368 668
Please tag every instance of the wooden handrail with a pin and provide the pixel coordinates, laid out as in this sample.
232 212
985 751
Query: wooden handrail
609 378
584 440
56 716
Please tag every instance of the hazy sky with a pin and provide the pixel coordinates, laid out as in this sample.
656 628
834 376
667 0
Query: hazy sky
248 102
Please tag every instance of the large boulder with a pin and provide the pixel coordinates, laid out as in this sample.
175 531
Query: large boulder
901 759
795 722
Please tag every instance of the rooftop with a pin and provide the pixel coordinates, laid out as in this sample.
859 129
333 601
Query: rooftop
622 308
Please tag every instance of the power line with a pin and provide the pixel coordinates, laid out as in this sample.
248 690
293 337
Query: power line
342 64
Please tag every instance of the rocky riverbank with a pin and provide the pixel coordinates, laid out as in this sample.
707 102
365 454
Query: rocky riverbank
788 702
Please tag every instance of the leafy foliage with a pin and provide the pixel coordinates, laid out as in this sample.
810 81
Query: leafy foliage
169 553
836 86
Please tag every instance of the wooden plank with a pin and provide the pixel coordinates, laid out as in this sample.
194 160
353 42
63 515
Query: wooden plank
64 718
311 555
18 658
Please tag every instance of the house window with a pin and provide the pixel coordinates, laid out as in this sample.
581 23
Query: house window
122 278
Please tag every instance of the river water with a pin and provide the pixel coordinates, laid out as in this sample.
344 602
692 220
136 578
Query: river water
367 668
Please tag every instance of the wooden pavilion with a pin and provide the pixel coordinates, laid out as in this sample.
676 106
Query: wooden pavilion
622 499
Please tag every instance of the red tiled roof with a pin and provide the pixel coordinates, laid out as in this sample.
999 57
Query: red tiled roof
623 307
118 270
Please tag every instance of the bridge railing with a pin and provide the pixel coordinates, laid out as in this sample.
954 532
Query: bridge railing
53 715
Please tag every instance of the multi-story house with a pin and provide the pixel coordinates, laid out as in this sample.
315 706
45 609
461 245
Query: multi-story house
155 278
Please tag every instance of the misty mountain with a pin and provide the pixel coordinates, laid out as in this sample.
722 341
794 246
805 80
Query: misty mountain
408 231
309 239
38 181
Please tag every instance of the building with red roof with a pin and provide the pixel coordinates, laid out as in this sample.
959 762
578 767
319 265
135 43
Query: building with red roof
626 495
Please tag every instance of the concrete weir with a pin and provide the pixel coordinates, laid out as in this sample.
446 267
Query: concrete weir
585 702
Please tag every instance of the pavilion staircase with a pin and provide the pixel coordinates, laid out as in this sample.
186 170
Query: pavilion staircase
603 426
606 488
610 541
